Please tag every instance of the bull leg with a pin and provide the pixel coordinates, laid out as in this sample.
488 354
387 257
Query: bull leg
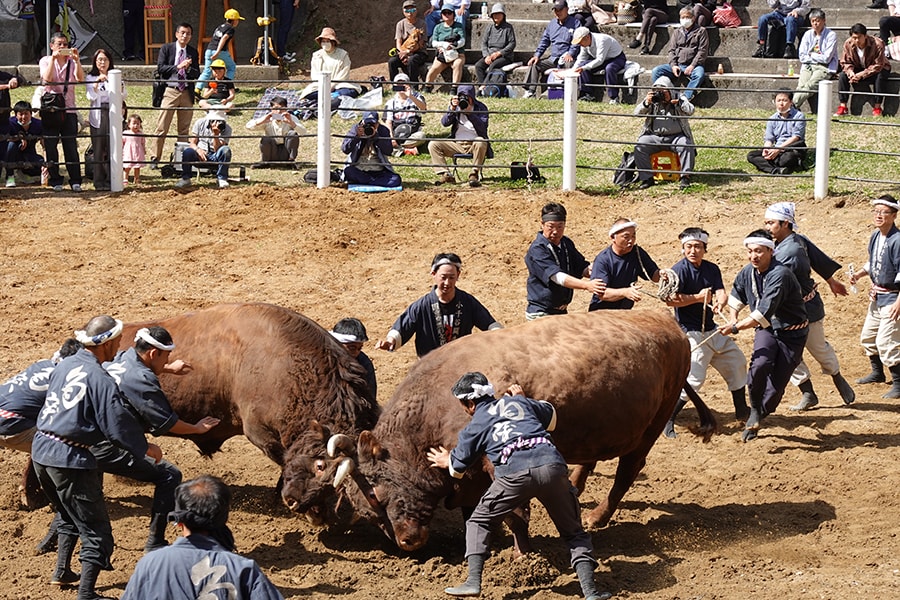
627 471
31 495
517 521
579 475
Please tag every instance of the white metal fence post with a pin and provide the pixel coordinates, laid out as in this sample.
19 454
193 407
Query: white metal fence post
323 141
116 172
823 138
570 113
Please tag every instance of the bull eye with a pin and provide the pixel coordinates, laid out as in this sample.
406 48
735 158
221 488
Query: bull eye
320 466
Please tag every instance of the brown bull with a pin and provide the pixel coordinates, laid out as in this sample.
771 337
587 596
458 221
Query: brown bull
614 377
275 376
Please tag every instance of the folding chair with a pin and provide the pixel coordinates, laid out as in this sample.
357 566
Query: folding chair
468 156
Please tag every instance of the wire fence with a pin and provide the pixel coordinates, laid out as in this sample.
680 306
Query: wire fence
579 152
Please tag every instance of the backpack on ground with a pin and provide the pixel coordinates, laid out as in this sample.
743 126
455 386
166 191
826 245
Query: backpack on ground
775 39
525 170
626 173
495 84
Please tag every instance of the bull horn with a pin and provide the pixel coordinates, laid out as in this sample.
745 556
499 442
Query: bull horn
339 441
344 469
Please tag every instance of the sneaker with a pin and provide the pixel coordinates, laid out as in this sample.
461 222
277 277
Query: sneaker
445 178
760 51
223 183
183 183
842 111
11 181
790 51
289 56
876 5
76 187
58 188
876 112
586 98
528 94
614 101
646 184
634 43
684 184
645 50
474 181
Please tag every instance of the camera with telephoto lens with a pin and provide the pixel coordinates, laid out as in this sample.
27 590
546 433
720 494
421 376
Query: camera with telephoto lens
658 96
463 101
368 129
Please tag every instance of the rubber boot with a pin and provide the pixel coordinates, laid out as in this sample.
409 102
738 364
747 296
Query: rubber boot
157 537
751 428
843 388
669 431
48 544
894 392
739 399
89 573
65 549
809 399
877 374
585 571
472 585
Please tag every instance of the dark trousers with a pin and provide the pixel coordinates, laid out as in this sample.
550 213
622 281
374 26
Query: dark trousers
413 66
790 160
888 26
551 486
535 71
100 144
773 360
164 475
588 79
482 68
77 496
650 18
133 22
878 81
29 161
271 151
383 178
67 135
285 21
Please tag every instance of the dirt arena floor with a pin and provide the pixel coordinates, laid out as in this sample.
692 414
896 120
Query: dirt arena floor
809 510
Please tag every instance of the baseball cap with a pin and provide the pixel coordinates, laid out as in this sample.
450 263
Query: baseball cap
401 77
409 4
232 14
370 117
560 4
579 34
448 8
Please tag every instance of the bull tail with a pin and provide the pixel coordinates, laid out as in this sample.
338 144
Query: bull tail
708 426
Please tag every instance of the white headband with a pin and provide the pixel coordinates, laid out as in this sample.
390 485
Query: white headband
694 237
478 391
887 203
345 338
144 334
444 261
781 211
759 241
620 226
101 338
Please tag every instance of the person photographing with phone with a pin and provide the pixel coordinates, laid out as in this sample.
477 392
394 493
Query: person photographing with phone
403 117
467 119
280 142
59 72
367 146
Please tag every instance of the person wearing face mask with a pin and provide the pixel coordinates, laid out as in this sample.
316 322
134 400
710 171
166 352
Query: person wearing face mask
334 60
687 52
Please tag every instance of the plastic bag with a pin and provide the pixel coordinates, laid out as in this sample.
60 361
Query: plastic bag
726 16
351 108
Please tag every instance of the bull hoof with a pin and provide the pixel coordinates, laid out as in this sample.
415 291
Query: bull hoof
669 431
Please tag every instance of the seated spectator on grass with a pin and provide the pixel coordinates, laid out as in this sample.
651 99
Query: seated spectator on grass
403 117
367 146
281 140
818 57
25 133
665 128
467 119
863 64
329 58
219 93
687 53
890 25
410 41
784 147
789 12
557 37
449 42
497 45
599 52
209 144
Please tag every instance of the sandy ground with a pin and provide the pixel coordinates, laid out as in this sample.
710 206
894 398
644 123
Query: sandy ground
809 510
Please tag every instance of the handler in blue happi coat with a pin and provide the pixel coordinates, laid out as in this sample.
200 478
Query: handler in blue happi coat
84 407
136 372
513 432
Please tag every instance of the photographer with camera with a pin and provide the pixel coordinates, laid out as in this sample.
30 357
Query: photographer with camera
665 128
367 146
209 143
408 54
467 119
403 117
281 140
449 41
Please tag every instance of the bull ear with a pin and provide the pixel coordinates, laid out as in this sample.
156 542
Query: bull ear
321 432
368 448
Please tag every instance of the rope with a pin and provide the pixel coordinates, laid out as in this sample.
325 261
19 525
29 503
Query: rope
668 284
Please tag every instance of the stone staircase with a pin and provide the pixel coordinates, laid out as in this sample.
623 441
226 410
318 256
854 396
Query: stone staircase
745 82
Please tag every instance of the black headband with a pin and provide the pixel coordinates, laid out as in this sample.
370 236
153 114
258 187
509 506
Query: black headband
553 216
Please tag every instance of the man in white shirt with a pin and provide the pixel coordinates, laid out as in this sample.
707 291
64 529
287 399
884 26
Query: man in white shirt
599 52
281 140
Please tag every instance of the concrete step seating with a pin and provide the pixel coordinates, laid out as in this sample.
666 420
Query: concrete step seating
731 48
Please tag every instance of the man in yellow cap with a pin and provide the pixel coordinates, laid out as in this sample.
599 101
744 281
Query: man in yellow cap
218 48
